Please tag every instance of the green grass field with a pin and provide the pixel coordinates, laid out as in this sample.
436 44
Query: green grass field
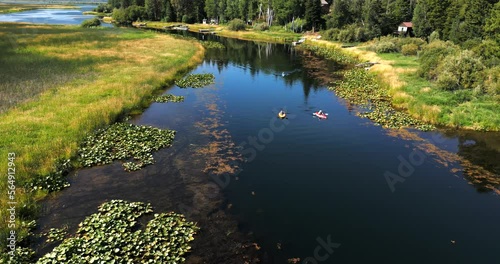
423 100
61 82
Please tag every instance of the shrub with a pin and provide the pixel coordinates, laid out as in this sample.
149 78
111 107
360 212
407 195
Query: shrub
93 22
432 54
400 42
461 71
330 34
492 81
385 47
261 26
351 33
187 19
409 49
489 50
236 25
297 25
434 36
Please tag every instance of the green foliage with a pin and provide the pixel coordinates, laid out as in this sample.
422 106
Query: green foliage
236 25
492 24
261 26
461 71
54 181
432 54
330 34
492 82
409 49
56 234
122 141
196 80
113 235
384 47
313 14
168 98
93 22
361 88
103 8
434 36
212 45
352 33
331 53
297 25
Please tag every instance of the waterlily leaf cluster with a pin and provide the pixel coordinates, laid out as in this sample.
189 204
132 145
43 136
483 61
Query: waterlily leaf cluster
360 87
56 234
196 80
123 141
54 181
168 98
114 235
212 45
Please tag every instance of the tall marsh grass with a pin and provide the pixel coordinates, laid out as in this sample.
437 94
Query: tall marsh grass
62 82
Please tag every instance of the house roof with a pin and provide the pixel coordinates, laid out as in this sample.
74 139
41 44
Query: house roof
406 24
323 2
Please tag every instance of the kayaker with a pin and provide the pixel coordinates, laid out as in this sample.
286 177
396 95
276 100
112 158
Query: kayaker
281 114
320 112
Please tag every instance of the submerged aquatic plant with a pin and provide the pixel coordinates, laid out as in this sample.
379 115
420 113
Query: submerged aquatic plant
123 141
168 98
361 88
113 235
196 80
212 45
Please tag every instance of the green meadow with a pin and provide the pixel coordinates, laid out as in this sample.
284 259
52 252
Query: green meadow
59 83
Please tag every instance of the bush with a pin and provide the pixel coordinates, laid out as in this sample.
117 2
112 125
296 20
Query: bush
261 26
351 33
103 8
236 25
434 36
409 49
330 34
400 42
187 19
489 50
93 22
432 54
297 25
385 47
492 81
461 71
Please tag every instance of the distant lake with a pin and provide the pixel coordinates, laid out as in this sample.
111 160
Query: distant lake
52 16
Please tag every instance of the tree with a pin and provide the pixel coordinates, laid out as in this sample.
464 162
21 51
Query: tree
211 8
373 17
492 24
313 14
340 14
421 25
168 13
475 13
154 9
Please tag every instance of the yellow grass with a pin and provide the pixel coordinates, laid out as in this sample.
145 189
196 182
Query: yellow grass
127 67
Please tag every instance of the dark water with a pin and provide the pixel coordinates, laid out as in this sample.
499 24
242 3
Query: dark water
318 190
52 16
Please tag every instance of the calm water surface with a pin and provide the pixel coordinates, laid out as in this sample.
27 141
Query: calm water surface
308 183
52 16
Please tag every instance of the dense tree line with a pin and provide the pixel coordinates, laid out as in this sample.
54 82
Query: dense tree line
456 20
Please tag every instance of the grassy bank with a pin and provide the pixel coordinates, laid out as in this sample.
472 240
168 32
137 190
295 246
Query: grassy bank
420 98
276 34
67 81
6 8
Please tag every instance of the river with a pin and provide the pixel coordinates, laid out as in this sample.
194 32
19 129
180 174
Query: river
340 190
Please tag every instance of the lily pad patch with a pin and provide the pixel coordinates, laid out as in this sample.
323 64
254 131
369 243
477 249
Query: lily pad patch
196 80
127 142
114 235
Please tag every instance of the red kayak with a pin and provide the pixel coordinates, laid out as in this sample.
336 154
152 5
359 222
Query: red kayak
322 115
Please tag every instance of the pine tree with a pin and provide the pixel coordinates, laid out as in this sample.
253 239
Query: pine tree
313 14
